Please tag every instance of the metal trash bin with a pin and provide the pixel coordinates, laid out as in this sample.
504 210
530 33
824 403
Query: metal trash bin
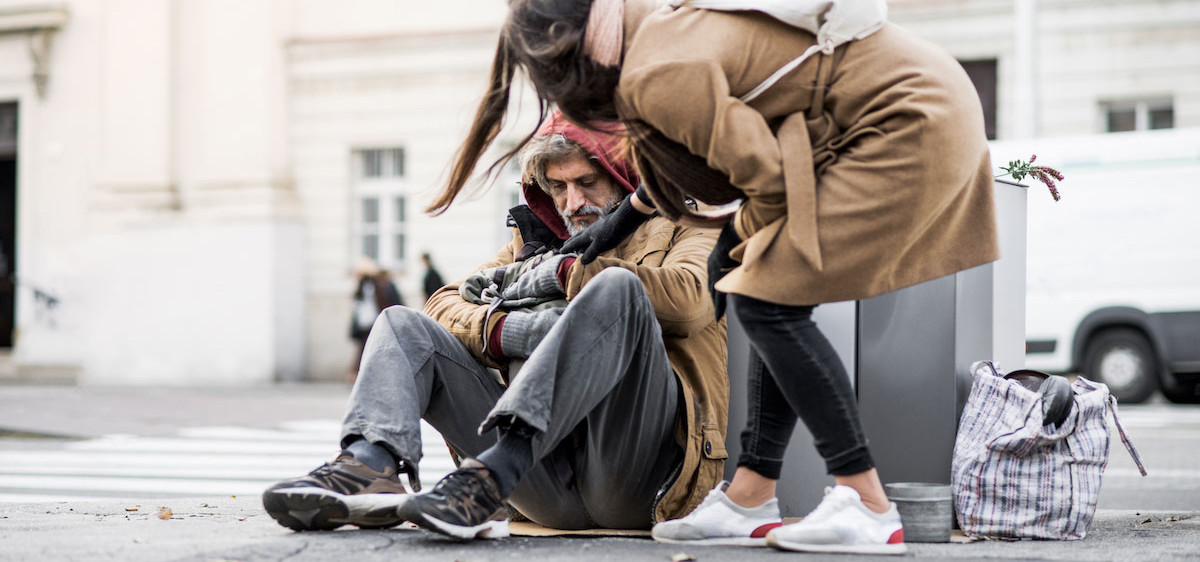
908 354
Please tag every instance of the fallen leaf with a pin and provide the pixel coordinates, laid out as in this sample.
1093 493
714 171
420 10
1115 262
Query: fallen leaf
164 513
131 509
682 557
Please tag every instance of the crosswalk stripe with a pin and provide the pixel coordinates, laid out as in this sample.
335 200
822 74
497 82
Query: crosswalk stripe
48 498
1158 473
322 434
132 444
200 461
1136 415
133 460
86 460
189 487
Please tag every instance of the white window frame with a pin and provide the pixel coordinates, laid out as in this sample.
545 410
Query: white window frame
1141 111
387 183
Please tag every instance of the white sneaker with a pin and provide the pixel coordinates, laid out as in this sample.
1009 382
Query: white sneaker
843 524
719 521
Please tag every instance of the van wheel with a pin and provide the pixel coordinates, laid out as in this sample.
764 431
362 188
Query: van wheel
1122 359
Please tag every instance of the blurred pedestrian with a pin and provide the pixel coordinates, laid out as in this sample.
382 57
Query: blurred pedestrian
375 292
433 280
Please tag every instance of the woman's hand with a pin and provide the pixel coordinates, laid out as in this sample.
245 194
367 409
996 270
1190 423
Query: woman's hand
719 263
606 233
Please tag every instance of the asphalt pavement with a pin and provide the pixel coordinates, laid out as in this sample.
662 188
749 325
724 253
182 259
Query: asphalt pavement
1139 519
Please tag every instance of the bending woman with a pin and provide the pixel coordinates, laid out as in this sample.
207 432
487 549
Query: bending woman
862 170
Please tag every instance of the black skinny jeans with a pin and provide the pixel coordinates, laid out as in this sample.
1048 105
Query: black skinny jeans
794 371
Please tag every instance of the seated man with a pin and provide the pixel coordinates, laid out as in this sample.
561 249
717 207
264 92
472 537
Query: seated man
617 415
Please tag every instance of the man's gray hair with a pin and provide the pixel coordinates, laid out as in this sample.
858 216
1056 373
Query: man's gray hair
545 150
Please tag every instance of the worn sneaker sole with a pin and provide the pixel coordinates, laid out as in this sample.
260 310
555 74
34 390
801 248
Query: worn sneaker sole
895 548
491 529
717 541
318 509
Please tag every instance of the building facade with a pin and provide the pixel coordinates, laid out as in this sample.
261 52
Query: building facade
187 184
1051 68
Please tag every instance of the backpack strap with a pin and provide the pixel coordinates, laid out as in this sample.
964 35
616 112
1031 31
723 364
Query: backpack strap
1133 452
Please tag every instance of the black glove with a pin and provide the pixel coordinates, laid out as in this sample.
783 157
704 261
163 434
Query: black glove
604 234
719 263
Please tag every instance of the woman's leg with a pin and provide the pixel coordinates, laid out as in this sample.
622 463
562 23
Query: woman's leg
810 376
770 421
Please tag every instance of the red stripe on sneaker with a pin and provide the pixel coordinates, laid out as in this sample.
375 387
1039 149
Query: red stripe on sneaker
762 530
897 537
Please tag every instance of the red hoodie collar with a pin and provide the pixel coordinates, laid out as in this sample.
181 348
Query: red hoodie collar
605 148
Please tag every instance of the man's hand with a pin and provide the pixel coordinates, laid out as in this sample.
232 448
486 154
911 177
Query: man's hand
540 282
522 330
606 233
719 263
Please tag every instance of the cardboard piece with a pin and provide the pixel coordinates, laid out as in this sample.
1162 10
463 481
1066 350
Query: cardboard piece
531 529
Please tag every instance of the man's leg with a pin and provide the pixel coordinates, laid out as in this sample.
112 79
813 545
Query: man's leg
631 451
607 367
412 366
601 376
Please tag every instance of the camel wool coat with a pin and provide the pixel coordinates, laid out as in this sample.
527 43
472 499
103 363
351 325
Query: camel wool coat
863 171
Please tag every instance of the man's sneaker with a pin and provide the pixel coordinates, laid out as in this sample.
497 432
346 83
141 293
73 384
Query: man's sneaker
843 524
720 521
466 504
337 493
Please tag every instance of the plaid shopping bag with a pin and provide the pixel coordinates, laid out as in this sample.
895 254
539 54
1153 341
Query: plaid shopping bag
1016 478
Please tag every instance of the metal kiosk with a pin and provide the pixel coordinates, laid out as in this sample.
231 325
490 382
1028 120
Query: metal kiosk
908 353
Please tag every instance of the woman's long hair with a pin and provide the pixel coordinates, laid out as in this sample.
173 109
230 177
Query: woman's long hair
545 38
673 175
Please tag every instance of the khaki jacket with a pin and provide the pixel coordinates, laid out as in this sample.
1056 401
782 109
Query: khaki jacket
671 261
863 171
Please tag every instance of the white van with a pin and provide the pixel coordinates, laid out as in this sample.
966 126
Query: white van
1113 278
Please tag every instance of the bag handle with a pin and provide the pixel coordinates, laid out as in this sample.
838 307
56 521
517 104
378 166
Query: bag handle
825 49
1133 452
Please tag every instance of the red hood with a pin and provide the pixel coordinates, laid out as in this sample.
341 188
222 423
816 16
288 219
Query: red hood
604 146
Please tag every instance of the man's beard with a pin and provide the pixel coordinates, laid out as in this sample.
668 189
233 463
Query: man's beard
574 229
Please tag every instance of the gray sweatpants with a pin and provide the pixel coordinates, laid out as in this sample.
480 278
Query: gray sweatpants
598 388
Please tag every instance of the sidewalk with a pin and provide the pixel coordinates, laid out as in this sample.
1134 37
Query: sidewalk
207 529
236 528
82 411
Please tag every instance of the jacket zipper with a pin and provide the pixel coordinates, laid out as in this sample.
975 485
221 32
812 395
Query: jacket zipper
663 490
